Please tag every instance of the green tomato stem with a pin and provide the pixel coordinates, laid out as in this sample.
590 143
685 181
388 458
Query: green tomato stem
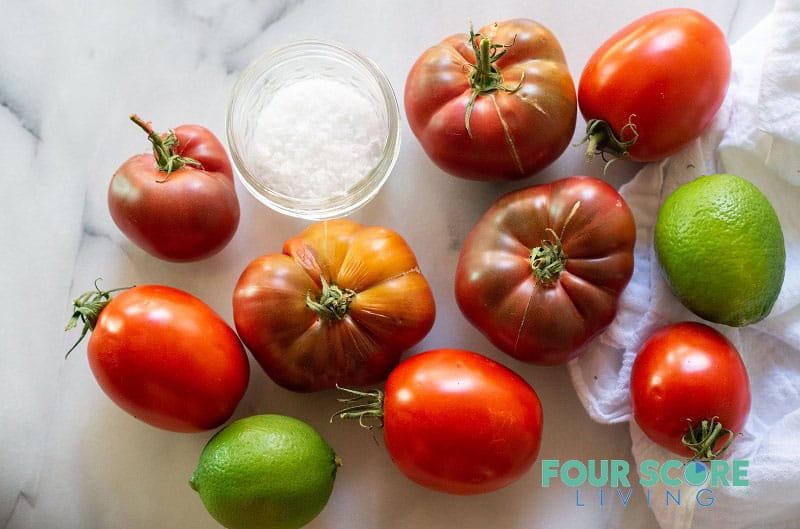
702 439
601 139
87 308
484 77
549 259
366 406
333 303
167 160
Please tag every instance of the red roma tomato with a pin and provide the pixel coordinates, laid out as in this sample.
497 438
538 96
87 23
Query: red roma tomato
495 105
689 390
541 271
179 203
456 422
338 306
655 85
164 356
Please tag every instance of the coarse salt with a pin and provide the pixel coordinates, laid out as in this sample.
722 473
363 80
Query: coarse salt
317 138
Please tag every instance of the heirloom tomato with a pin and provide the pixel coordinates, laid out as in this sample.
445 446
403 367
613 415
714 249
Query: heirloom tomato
499 104
541 271
338 306
455 421
178 203
655 85
689 390
163 356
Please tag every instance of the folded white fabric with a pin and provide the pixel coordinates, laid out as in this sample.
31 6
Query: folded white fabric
757 136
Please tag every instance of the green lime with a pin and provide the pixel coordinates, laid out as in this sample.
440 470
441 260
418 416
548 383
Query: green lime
265 472
720 246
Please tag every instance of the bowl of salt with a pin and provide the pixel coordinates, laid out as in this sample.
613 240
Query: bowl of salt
313 129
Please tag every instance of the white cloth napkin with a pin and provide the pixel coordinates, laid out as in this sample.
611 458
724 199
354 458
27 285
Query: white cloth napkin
757 136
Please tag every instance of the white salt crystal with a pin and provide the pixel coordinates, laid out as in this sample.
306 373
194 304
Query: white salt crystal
317 138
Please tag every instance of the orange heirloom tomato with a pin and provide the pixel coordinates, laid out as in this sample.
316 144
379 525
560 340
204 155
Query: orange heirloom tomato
338 306
496 105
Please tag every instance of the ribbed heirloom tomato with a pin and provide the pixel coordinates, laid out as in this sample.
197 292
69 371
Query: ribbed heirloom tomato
541 272
690 392
655 85
496 105
164 356
338 306
455 421
178 203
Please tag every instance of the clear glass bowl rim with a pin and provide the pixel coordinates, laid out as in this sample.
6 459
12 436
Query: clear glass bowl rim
367 187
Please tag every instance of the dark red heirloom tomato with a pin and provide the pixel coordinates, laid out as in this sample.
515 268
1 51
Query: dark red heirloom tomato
178 203
541 271
499 104
338 306
655 85
690 392
455 421
164 356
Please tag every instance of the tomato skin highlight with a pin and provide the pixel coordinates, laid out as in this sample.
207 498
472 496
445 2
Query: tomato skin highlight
188 215
667 73
199 143
514 133
168 359
688 370
458 422
524 316
390 308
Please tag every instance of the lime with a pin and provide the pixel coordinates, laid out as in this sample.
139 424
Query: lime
265 472
720 246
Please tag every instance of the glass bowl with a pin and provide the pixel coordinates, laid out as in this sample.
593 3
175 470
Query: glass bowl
313 129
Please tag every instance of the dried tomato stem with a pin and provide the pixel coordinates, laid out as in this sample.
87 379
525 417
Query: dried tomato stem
167 160
702 439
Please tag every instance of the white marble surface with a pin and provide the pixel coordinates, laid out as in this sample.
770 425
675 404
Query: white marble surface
71 74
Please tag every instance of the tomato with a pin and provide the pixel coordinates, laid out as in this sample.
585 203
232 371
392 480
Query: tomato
455 421
688 376
655 85
541 272
339 305
164 356
495 105
178 203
